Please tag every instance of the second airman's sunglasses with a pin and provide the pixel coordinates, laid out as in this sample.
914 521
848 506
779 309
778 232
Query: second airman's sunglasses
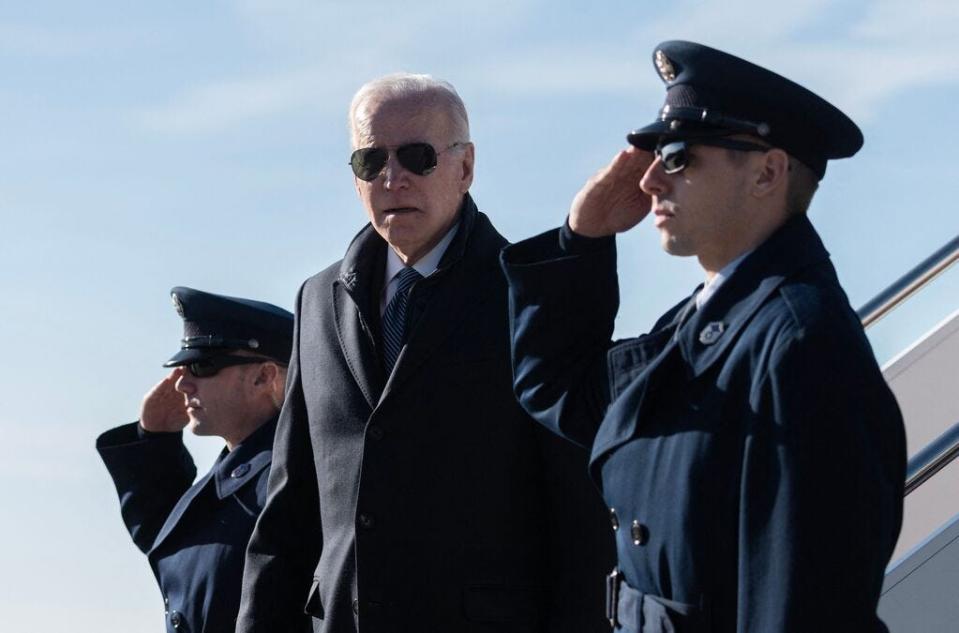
211 366
419 158
674 155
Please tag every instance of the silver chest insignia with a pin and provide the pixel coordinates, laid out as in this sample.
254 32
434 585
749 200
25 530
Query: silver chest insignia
711 333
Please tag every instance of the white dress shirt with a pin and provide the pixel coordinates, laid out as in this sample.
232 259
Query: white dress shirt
712 285
426 266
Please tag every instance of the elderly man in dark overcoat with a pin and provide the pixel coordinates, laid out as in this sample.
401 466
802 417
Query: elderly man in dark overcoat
410 492
749 451
228 382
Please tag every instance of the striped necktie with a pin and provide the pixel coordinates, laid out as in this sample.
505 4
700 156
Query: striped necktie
394 317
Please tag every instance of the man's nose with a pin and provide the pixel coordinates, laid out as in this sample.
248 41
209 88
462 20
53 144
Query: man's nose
655 181
184 384
395 176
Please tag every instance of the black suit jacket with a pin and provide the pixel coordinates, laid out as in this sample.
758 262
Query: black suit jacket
426 501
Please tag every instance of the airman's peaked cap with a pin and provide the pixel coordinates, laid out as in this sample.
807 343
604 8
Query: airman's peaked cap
709 93
214 324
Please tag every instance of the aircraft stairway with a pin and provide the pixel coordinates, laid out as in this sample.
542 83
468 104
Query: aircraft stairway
921 589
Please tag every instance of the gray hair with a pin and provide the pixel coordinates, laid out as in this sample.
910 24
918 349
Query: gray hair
400 86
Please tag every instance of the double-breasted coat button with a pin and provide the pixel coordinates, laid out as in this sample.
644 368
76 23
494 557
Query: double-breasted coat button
613 518
240 470
376 432
366 521
639 533
176 619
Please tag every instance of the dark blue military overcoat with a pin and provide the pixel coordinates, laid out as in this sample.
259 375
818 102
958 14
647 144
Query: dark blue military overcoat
428 501
753 461
195 536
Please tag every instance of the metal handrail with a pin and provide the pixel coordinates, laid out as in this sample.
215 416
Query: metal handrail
902 288
930 460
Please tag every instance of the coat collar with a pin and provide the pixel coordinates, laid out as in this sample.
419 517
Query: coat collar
233 469
365 257
711 330
641 367
246 461
356 309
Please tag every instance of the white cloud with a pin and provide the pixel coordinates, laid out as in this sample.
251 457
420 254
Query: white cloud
910 22
735 25
557 70
58 42
220 106
865 55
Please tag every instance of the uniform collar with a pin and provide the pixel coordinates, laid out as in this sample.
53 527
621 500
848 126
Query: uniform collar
710 286
709 332
234 468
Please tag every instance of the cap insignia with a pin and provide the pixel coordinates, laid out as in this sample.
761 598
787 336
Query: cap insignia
177 304
253 343
664 66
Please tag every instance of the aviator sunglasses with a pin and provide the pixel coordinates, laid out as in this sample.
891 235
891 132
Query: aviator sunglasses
419 158
674 155
211 366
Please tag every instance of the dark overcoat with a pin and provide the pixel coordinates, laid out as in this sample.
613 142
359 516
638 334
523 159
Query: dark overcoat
428 502
195 535
753 461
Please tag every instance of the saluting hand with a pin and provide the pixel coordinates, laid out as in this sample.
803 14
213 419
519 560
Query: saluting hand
164 408
611 201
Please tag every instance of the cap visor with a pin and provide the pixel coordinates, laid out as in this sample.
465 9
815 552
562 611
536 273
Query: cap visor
647 137
187 356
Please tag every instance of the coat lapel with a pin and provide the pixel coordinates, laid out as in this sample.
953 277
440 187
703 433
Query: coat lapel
712 330
245 461
461 284
639 368
181 507
357 314
231 471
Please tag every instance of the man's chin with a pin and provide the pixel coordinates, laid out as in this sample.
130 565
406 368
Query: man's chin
673 246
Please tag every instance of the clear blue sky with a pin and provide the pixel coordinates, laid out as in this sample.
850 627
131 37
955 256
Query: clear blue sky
148 145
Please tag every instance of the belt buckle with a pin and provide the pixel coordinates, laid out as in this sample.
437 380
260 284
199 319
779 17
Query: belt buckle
613 582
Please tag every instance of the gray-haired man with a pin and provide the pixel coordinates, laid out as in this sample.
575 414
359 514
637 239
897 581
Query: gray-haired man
409 491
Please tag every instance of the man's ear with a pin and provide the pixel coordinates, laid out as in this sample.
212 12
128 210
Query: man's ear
772 173
469 157
265 374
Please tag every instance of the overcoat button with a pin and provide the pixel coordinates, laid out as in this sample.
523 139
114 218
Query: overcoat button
366 521
356 606
376 432
639 533
176 619
240 470
613 518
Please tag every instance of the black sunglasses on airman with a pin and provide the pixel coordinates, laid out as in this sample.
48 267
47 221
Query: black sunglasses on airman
674 155
211 366
419 158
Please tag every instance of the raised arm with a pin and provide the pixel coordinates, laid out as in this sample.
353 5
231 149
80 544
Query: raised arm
150 466
563 298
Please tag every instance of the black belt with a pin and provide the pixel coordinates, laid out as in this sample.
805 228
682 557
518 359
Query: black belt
637 612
